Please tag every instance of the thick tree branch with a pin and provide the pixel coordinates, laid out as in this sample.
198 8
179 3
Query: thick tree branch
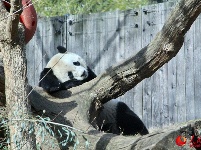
13 20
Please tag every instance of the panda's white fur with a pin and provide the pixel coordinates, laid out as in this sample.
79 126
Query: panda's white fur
61 64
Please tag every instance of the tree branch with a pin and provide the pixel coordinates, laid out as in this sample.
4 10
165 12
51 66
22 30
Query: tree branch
13 20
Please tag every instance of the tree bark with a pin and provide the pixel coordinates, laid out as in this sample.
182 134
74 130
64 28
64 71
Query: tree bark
71 107
14 59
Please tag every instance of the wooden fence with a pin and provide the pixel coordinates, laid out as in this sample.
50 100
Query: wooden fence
171 95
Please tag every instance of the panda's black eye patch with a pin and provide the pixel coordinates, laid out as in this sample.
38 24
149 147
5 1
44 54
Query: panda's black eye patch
77 63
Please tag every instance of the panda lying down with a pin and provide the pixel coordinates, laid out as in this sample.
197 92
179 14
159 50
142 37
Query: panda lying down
66 70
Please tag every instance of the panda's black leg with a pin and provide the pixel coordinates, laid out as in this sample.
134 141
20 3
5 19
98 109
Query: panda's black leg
129 122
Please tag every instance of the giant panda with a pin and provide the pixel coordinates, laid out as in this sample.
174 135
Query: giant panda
66 70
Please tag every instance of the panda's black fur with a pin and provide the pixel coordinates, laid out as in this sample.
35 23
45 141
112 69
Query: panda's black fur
116 117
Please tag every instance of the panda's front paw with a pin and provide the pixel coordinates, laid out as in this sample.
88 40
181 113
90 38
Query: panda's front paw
53 89
71 83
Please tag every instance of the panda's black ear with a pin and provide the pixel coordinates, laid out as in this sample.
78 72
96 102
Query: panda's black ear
61 49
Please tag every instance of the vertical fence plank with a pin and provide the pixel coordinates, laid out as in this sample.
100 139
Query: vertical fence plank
98 31
132 44
189 74
180 86
47 45
164 72
38 64
89 43
147 83
171 75
31 60
171 93
71 33
197 68
157 80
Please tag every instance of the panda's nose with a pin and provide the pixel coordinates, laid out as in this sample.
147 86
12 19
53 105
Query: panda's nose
84 74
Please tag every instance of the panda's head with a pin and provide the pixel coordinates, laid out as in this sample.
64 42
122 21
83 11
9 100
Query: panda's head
64 71
67 66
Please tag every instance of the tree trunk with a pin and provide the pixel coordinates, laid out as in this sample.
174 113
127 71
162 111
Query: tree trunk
14 59
17 104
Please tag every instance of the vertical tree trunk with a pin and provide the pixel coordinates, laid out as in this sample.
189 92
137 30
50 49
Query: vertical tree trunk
15 67
17 104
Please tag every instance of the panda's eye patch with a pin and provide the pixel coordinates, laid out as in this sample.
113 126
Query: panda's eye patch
77 63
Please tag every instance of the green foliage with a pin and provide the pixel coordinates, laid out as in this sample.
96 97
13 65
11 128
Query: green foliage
63 7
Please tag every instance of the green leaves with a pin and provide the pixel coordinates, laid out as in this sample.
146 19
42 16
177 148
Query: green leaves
63 7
